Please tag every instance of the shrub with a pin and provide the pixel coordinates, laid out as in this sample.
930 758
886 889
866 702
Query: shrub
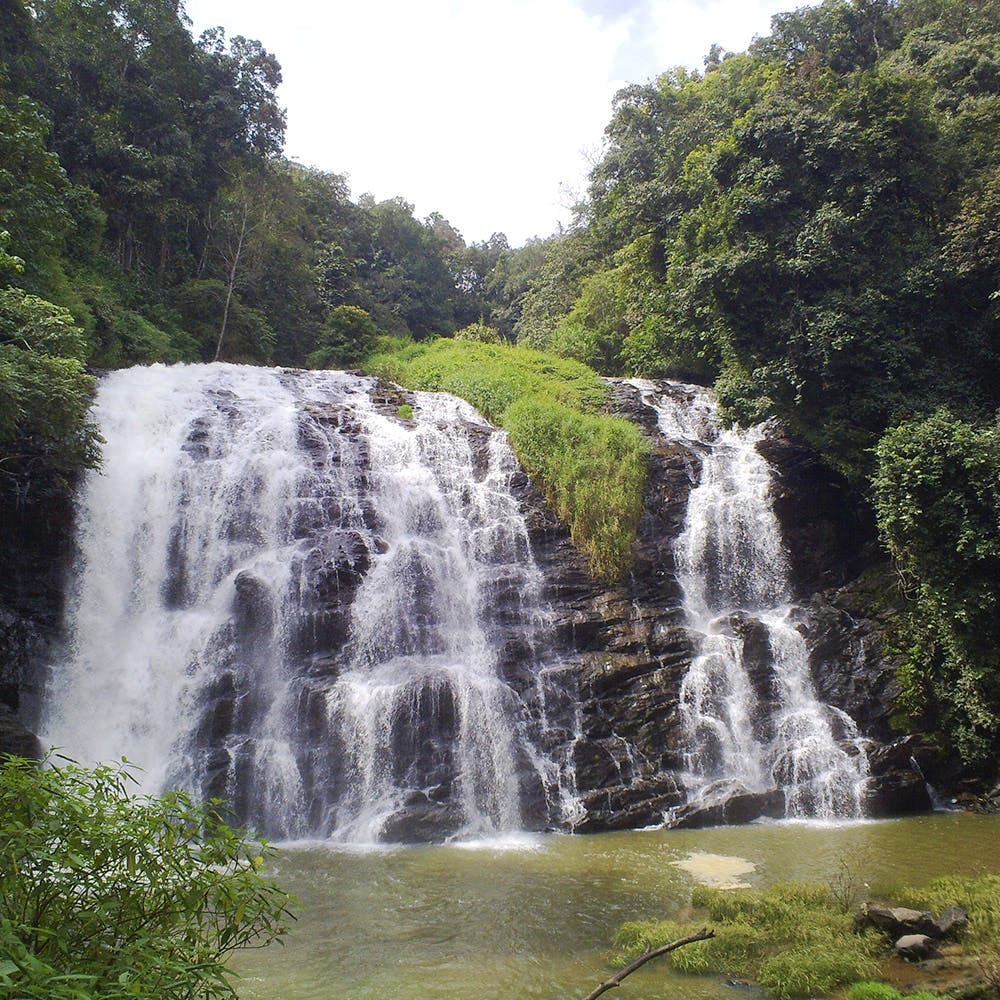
480 333
104 896
814 968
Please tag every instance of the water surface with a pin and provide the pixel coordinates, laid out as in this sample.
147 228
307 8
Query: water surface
534 917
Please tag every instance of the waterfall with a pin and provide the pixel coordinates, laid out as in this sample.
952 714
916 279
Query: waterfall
750 714
291 597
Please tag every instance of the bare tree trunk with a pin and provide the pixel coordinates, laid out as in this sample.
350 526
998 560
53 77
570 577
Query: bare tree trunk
234 264
650 953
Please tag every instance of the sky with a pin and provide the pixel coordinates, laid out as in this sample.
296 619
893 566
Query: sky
490 112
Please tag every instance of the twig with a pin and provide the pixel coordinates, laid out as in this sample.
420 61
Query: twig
648 955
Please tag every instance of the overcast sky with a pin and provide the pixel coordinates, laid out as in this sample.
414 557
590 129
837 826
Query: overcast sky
487 111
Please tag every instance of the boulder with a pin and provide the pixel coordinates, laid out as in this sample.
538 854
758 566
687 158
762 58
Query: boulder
952 921
898 921
915 947
743 807
897 786
421 821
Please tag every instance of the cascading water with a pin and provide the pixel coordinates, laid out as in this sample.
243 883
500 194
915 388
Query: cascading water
752 720
291 597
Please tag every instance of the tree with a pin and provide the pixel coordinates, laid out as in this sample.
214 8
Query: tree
44 391
348 336
937 496
104 896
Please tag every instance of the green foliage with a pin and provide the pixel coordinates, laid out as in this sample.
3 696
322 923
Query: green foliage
44 391
480 333
106 897
937 496
794 939
405 411
812 969
591 467
594 329
348 336
869 990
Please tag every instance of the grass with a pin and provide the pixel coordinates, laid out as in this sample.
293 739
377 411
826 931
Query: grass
796 939
979 897
591 467
793 939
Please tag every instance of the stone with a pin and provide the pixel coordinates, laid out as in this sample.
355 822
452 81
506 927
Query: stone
827 528
898 921
953 920
421 822
915 947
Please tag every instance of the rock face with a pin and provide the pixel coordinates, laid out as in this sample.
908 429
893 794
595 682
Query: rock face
36 540
606 709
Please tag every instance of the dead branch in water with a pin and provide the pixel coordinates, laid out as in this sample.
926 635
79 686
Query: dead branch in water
648 955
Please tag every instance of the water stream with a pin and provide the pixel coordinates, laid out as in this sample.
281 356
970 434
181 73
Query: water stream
293 597
752 722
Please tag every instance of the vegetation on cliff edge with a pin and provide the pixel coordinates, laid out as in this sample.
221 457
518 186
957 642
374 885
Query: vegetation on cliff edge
590 466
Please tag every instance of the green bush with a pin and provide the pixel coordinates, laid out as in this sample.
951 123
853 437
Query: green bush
937 496
480 333
104 896
591 467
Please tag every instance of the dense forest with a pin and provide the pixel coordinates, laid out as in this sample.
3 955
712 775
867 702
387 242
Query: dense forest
811 226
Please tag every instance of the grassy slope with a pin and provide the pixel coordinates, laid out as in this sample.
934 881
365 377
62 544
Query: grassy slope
590 466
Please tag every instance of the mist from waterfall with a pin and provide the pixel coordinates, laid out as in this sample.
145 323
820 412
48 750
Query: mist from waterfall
749 726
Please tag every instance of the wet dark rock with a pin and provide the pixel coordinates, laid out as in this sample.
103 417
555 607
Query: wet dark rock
851 669
15 739
739 808
628 806
422 821
828 531
897 786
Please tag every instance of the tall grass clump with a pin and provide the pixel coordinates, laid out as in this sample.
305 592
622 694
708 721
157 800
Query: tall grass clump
795 940
590 466
978 896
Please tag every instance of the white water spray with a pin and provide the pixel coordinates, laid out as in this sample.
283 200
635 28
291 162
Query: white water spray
233 506
733 571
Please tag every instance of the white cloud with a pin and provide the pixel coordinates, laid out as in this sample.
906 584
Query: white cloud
483 111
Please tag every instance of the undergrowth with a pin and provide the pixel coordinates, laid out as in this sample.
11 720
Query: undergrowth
793 939
590 466
797 939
